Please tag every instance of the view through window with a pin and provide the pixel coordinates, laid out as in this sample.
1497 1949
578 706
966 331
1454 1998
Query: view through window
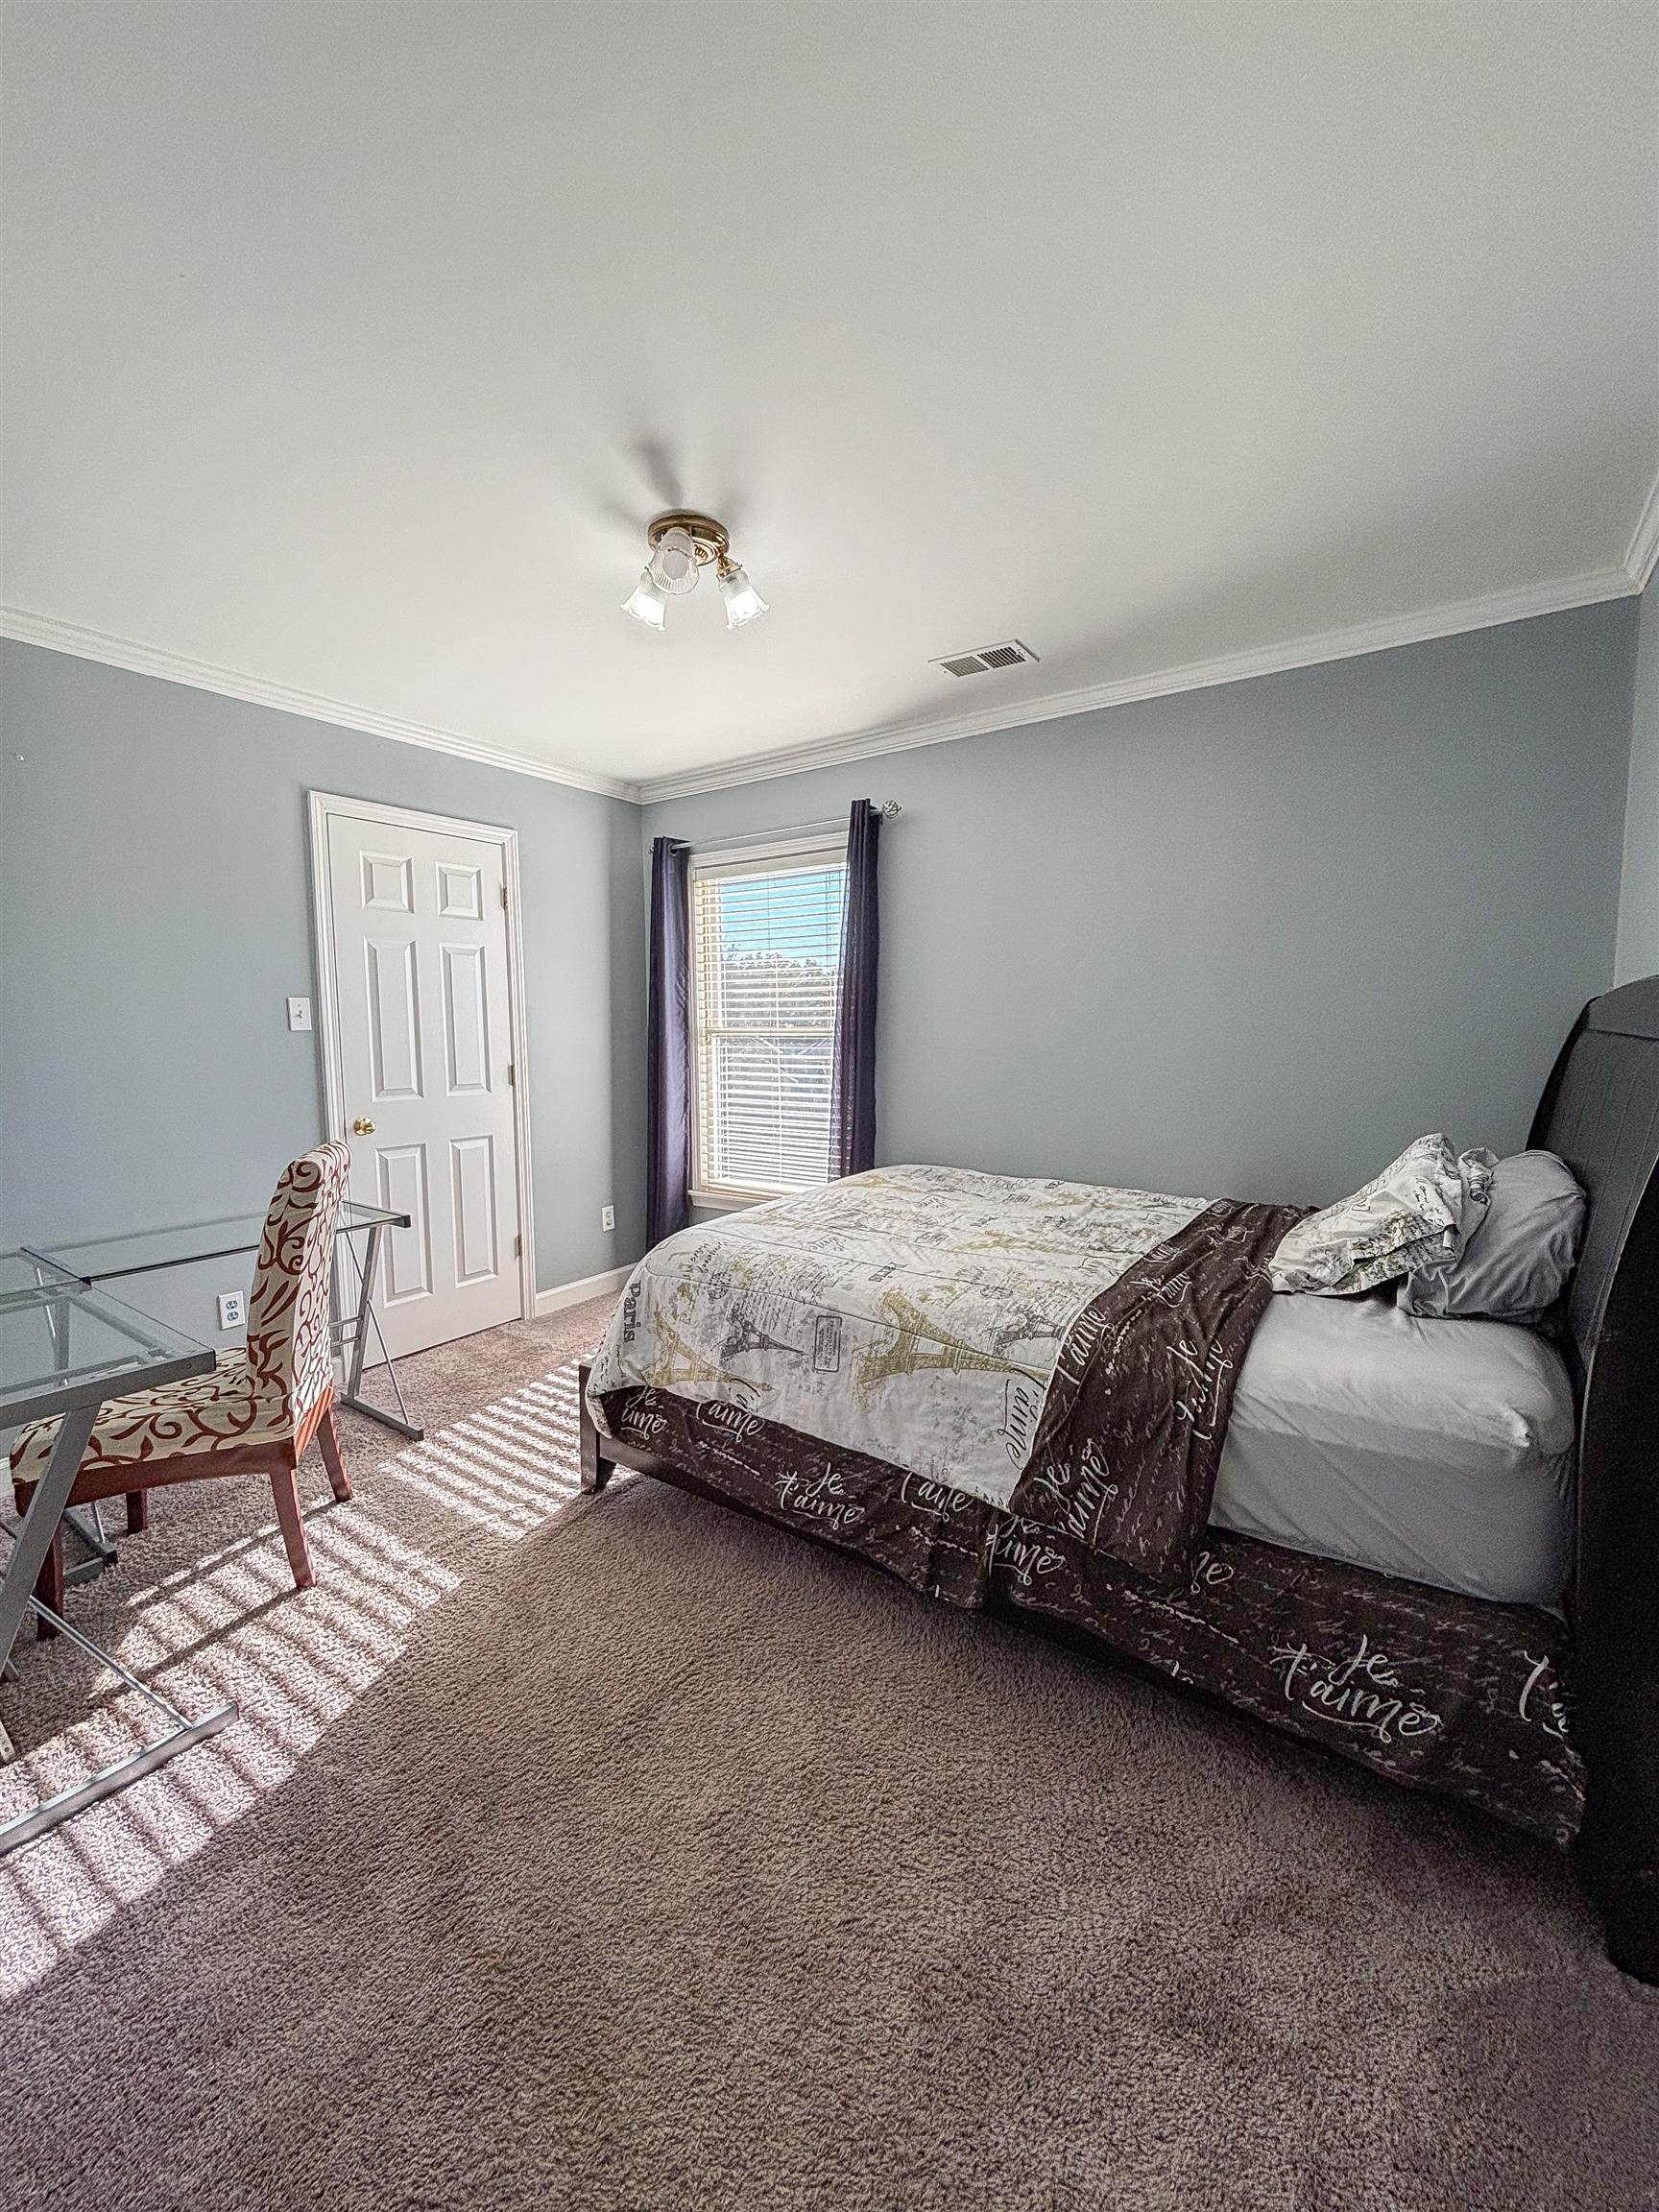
766 959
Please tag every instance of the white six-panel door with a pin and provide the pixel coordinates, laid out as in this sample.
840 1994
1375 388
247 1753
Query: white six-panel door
423 1030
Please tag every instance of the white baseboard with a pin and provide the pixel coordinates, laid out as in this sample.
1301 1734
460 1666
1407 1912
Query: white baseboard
565 1294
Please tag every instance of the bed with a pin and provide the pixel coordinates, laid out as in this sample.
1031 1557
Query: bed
1430 1547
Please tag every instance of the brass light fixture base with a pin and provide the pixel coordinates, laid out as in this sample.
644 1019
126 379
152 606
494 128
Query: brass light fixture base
708 537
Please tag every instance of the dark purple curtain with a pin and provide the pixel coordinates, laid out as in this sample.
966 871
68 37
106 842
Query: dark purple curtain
852 1098
668 1043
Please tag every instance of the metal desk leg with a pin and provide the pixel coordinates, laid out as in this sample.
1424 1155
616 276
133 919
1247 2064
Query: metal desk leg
34 1539
110 1781
88 1522
367 1272
29 1544
365 1319
89 1526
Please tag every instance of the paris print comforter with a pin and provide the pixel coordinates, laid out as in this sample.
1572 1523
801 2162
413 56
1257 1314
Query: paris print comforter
1059 1350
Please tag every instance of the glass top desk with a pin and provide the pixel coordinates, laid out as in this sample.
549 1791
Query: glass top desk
65 1350
102 1260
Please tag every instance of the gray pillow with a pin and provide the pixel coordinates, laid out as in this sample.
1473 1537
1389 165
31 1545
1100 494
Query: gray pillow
1421 1209
1522 1255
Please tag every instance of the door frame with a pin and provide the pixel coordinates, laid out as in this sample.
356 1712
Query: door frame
327 806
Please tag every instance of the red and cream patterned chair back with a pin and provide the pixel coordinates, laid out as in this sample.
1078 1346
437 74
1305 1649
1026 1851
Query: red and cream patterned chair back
289 1347
257 1409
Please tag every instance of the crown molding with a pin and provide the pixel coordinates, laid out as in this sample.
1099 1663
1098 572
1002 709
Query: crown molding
1642 552
30 629
1380 637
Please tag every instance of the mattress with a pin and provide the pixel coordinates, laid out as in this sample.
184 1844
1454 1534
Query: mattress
1438 1450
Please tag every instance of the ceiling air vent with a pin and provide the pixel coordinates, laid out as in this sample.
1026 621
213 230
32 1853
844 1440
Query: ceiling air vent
1013 655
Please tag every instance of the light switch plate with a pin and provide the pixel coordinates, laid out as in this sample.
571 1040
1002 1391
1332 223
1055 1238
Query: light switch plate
232 1310
298 1013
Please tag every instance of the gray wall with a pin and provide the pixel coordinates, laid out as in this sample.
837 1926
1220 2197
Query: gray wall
1247 940
155 914
1639 897
1250 940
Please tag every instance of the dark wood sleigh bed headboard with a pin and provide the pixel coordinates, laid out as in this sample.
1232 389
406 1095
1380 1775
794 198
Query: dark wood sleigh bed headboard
1600 1112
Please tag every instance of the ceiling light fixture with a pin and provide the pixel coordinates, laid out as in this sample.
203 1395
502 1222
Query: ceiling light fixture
681 544
648 602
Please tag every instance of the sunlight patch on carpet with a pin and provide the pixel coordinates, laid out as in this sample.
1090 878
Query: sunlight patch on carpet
232 1625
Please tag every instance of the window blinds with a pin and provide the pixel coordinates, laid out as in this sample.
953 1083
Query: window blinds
767 960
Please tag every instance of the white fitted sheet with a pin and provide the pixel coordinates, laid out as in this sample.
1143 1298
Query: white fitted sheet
1438 1450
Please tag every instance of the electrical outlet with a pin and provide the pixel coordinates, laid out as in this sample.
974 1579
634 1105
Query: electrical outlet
298 1013
607 1216
232 1310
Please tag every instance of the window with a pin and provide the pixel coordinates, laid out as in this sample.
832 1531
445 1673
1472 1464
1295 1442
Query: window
766 971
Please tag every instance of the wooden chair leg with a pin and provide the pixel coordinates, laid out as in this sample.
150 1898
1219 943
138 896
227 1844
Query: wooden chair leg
138 1512
49 1588
328 1436
285 1489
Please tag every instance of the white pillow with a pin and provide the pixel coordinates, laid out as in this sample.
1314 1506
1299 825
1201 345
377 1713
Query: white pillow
1424 1207
1520 1257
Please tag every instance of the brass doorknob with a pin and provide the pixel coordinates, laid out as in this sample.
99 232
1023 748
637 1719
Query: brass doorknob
363 1127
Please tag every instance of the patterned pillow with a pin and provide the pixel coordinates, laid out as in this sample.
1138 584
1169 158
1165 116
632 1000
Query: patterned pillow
1423 1208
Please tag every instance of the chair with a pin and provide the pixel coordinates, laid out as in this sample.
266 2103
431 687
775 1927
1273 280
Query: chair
258 1410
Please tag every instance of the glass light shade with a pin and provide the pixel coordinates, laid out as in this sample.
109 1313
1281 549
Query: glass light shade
743 603
648 602
674 563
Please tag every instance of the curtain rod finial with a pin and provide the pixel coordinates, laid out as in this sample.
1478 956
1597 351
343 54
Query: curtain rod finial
888 807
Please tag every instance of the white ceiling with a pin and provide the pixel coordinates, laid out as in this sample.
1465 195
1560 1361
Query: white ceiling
350 348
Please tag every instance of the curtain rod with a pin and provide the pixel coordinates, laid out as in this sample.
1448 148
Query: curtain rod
887 809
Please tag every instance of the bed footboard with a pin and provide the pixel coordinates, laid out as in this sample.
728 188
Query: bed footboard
594 1450
600 1455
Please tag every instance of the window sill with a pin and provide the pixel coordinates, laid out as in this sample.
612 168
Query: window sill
730 1201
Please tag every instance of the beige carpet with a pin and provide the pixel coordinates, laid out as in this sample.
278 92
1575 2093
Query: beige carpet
205 1608
638 1857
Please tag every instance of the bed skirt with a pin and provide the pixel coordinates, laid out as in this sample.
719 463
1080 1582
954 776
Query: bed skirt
1434 1691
